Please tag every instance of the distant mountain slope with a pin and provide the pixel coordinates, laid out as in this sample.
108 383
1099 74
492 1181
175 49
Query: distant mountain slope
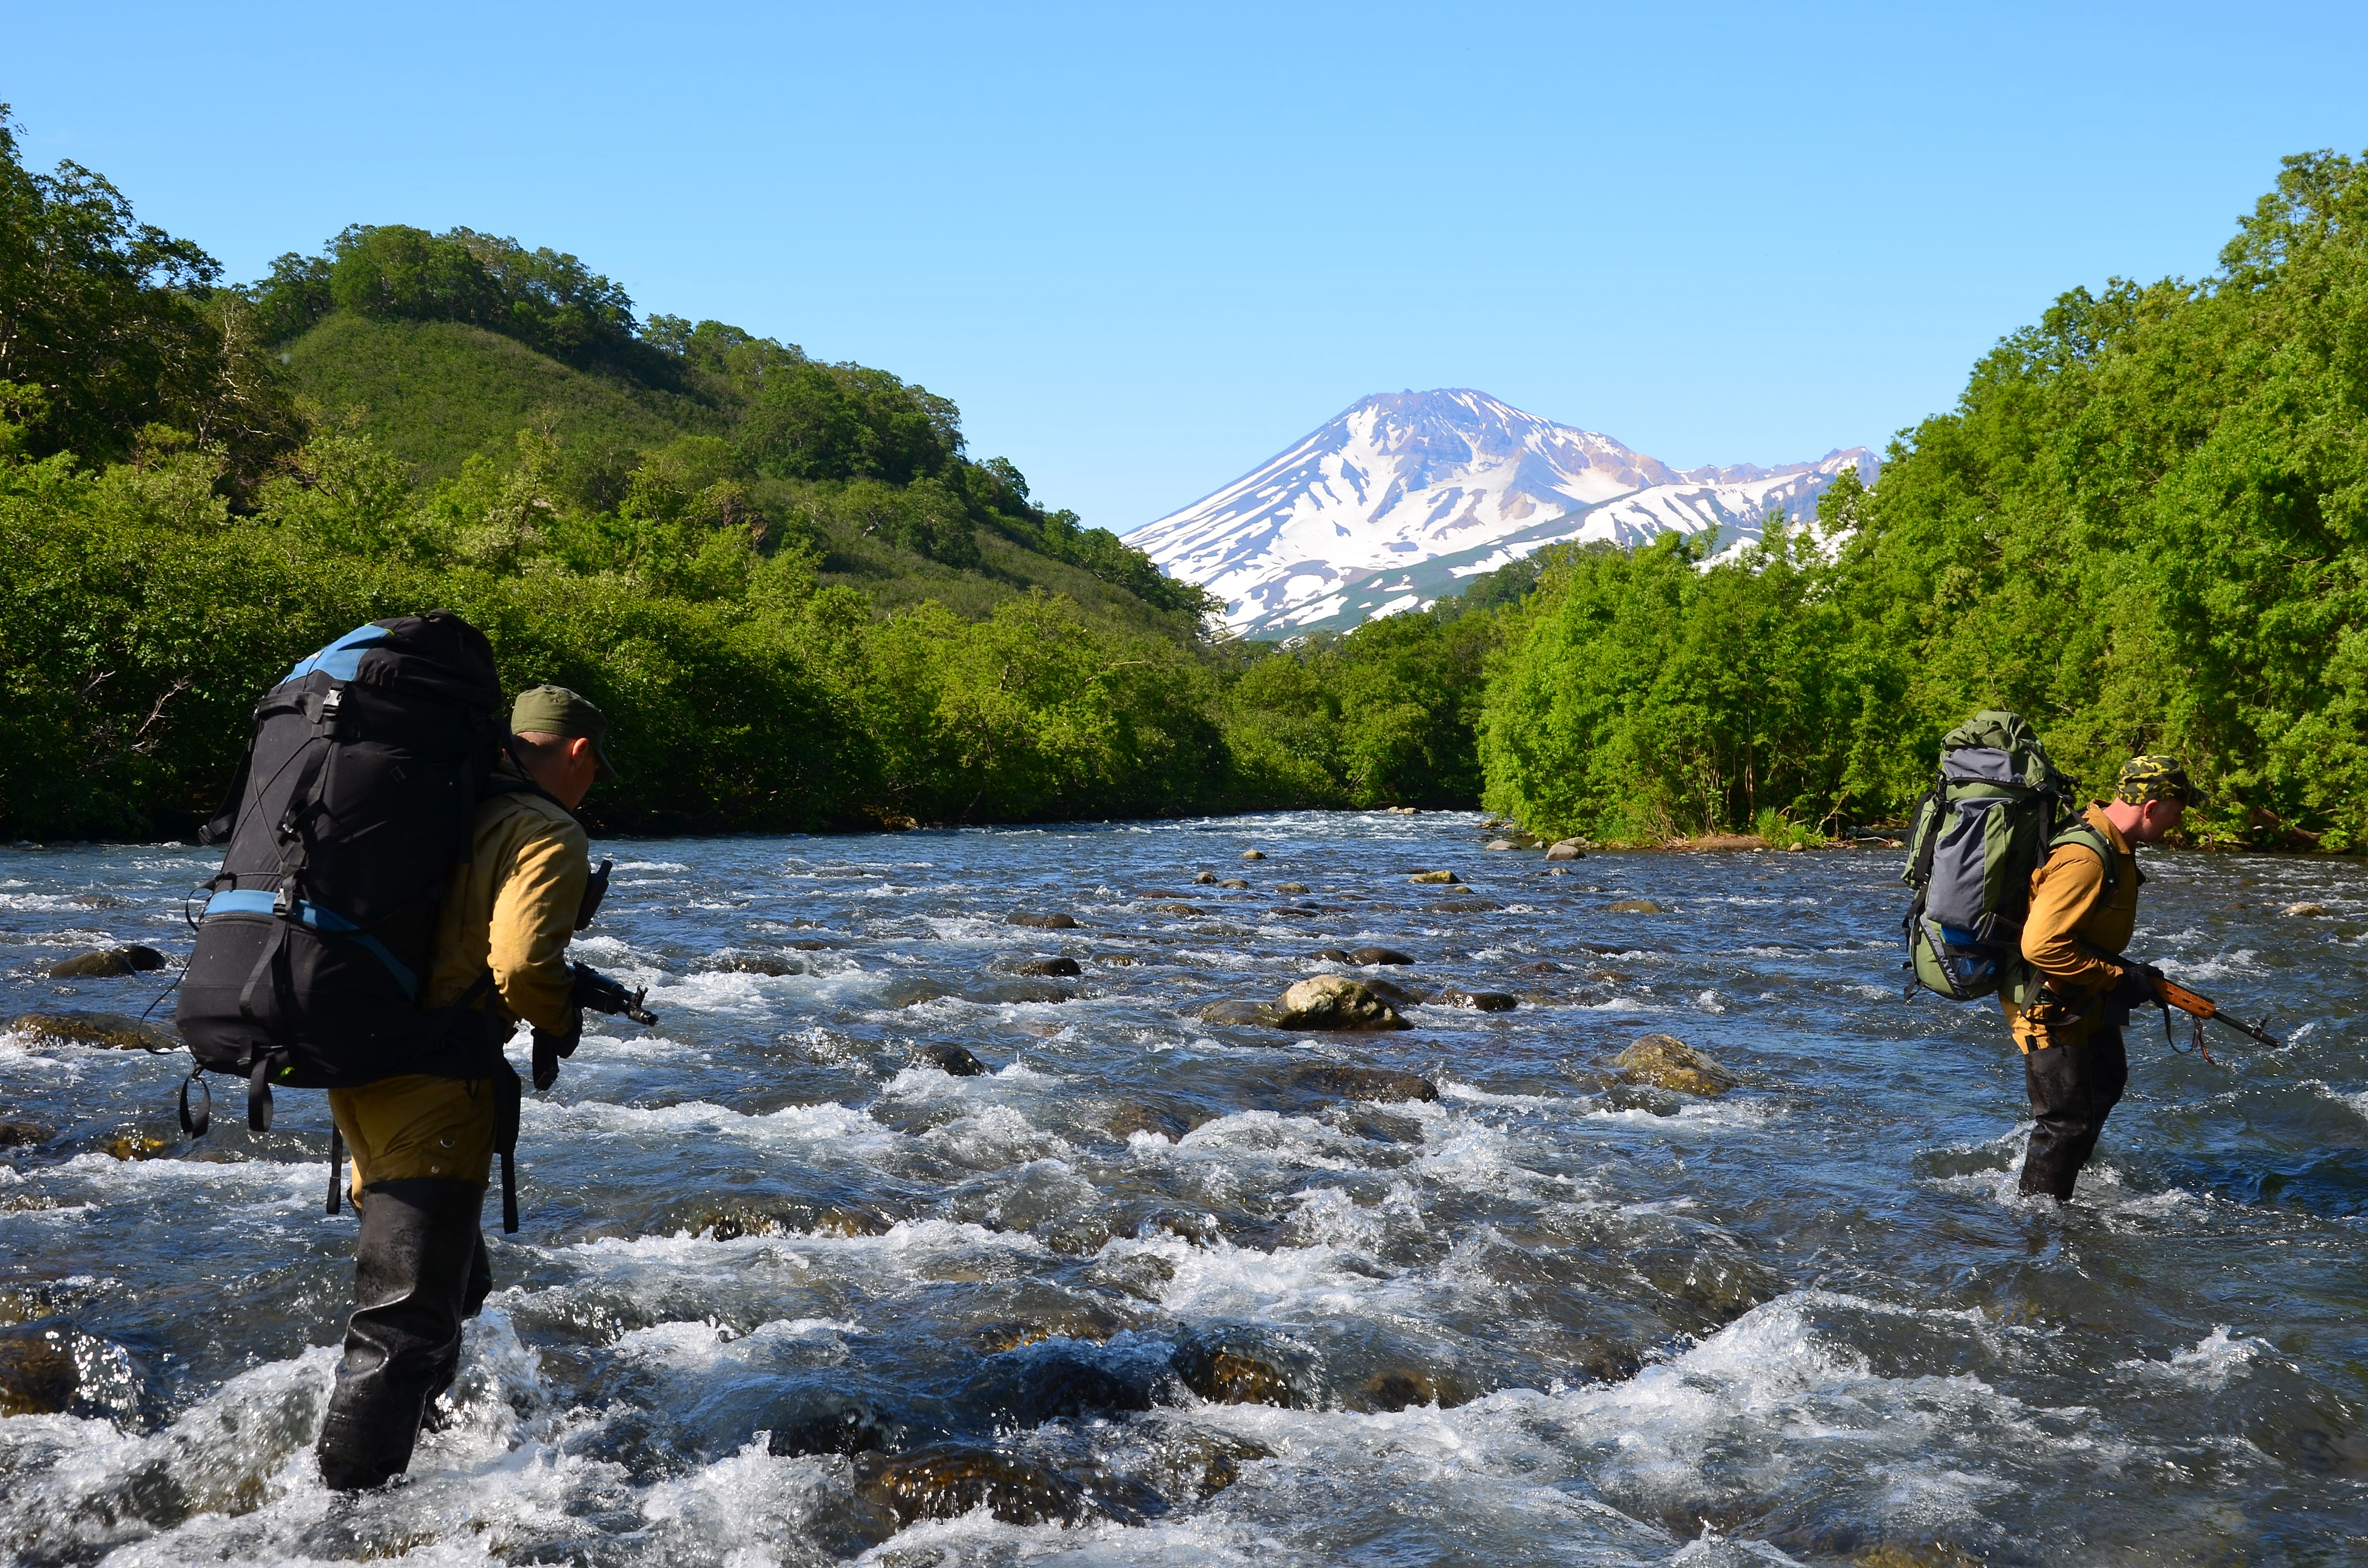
1388 506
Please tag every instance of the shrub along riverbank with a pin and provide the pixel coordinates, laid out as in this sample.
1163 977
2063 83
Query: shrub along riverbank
806 607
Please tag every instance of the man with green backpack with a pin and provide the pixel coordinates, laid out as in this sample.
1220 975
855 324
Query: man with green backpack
2016 896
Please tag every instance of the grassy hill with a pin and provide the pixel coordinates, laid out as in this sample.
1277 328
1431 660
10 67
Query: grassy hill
435 393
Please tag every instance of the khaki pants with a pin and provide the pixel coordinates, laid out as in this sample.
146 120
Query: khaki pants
415 1125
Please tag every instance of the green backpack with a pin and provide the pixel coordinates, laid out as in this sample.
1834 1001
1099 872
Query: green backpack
1985 825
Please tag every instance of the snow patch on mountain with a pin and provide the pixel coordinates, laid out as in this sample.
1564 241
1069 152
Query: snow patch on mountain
1388 506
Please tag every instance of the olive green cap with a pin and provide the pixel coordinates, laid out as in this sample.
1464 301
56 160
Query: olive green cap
2155 778
555 710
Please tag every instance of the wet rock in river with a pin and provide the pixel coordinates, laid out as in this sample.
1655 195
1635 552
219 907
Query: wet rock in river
1233 883
1193 1464
1337 1002
137 1146
1176 909
1070 1317
1478 1001
1465 906
1637 906
107 962
823 1421
774 965
1042 922
1206 880
1398 1388
1260 1015
1331 955
947 1481
37 1369
1501 844
1291 887
22 1134
1126 1120
1670 1063
729 1221
1253 854
1566 850
1224 1372
1379 1083
1051 966
1434 877
1379 955
950 1058
1065 1384
1403 996
2306 911
110 1032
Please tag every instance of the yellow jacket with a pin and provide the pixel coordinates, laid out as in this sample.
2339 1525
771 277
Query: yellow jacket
2072 923
511 908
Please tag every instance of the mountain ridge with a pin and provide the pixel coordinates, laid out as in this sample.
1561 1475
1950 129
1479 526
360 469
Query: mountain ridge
1388 505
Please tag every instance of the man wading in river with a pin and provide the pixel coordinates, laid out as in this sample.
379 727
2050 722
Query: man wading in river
2084 905
423 1145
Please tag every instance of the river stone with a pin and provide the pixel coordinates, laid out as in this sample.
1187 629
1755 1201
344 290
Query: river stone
1378 955
1195 1464
1479 1001
1401 996
1502 844
22 1134
1253 854
1378 1084
1176 909
1291 887
137 1146
1065 1383
772 964
107 962
1337 1002
1397 1389
1434 877
111 1031
1637 906
1206 878
2305 910
1672 1063
948 1480
1264 1014
1330 955
950 1058
1465 906
772 1216
1051 966
1224 1374
1233 883
1041 922
36 1370
827 1421
1134 1117
1566 850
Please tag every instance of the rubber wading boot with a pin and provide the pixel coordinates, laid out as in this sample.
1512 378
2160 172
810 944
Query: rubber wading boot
412 1269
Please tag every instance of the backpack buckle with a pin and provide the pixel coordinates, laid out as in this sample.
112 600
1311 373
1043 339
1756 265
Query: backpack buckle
283 903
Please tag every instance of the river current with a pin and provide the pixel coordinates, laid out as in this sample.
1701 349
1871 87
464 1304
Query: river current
1549 1317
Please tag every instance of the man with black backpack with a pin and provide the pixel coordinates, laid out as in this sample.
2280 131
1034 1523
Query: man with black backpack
423 1144
2078 988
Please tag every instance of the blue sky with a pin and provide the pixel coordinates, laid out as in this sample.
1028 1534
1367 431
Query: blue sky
1145 248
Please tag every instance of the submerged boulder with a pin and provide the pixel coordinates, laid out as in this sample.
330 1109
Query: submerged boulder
37 1369
1224 1372
1206 880
22 1134
2305 911
1478 1001
1365 1082
1291 887
1253 854
1337 1002
1670 1063
1637 906
1566 850
1042 922
1378 955
950 1058
1434 877
949 1480
108 1031
1263 1015
107 962
1051 966
826 1421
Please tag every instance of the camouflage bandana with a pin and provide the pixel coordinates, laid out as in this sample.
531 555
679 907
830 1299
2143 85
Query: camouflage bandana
2155 778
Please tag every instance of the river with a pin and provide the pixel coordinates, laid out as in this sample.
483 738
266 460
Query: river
1549 1317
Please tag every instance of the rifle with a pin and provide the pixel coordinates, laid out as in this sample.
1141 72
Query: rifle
2201 1008
590 992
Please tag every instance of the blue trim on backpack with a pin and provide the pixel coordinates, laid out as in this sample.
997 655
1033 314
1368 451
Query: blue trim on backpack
340 660
237 902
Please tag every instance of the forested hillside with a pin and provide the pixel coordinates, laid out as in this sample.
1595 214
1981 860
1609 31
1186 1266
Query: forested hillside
801 602
807 606
2144 526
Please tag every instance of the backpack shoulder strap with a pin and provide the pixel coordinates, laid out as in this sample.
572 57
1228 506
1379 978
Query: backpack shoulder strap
2088 838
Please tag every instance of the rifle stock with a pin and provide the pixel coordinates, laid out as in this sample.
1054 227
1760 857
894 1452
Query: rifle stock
2201 1007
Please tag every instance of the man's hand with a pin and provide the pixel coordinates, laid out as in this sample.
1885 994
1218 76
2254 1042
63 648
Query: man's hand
2135 989
549 1047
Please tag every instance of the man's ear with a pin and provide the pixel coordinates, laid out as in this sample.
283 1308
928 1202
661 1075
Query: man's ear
579 750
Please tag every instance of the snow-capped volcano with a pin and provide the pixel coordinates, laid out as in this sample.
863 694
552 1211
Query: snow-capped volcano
1390 505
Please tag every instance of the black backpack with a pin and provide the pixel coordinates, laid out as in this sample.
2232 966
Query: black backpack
347 816
1985 825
